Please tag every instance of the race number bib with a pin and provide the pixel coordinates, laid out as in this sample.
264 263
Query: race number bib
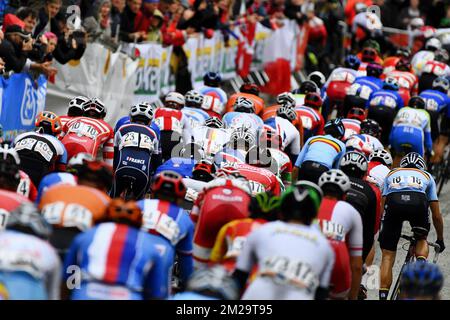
306 122
3 218
161 223
44 150
383 101
364 91
401 182
431 105
332 230
236 247
27 143
84 130
137 140
256 187
72 215
403 83
342 77
286 270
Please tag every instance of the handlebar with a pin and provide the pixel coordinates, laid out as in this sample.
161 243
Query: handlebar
437 248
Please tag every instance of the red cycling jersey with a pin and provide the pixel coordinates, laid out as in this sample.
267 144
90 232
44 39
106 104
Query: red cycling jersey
407 82
261 180
312 120
83 134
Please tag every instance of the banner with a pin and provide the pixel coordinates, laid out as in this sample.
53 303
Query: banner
21 98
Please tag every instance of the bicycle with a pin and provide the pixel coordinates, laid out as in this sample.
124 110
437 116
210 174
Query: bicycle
410 256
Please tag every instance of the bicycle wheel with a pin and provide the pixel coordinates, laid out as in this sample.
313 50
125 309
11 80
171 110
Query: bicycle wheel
396 289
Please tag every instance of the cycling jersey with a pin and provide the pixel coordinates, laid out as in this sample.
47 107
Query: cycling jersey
118 262
64 120
260 179
437 68
221 201
83 134
258 102
284 164
293 261
174 226
341 75
419 60
324 150
53 179
358 94
229 156
411 128
376 173
234 120
231 239
182 166
352 126
436 103
410 179
211 140
9 201
126 120
289 135
363 143
39 154
173 120
386 98
195 116
26 187
373 83
407 82
29 267
214 92
389 64
213 106
312 121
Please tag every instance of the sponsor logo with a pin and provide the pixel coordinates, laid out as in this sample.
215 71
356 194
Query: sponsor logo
227 199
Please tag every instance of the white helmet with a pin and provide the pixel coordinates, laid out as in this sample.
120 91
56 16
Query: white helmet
286 99
433 44
11 153
318 78
143 109
360 7
335 177
77 103
175 97
381 155
193 99
242 135
417 23
95 104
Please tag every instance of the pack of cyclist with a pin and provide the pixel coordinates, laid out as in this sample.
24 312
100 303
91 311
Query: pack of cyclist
224 197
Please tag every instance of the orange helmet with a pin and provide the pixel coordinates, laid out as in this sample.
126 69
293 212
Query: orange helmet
49 122
124 212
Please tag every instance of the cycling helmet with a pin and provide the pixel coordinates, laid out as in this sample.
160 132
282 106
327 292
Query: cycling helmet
417 102
174 100
212 79
370 127
382 156
269 138
441 56
403 52
318 78
354 164
27 219
369 54
96 172
335 180
169 184
9 168
441 84
420 279
433 44
356 113
192 151
313 100
8 154
286 99
413 160
264 205
300 203
228 171
335 128
76 106
214 122
391 83
352 62
360 7
287 112
204 171
417 23
77 161
214 282
403 64
374 70
242 137
250 88
94 108
372 44
142 111
124 212
49 123
193 99
305 87
243 104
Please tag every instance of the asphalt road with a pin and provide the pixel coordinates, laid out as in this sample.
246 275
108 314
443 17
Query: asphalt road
444 258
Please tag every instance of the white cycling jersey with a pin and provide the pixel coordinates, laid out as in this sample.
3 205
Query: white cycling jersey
288 133
20 252
377 175
212 140
374 142
293 261
420 59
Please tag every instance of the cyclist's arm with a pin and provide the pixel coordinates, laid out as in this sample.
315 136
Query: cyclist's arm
108 150
355 250
438 222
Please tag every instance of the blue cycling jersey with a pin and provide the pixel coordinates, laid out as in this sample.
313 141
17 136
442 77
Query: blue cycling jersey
436 101
183 166
325 150
373 83
387 98
410 179
126 120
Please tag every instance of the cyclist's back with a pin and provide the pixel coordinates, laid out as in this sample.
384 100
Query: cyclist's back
53 179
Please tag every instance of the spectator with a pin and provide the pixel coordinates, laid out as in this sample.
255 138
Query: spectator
409 13
143 21
29 17
100 23
117 7
131 13
154 30
48 18
71 43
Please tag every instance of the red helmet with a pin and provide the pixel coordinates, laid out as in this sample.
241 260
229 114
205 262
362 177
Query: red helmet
313 100
249 87
169 183
356 113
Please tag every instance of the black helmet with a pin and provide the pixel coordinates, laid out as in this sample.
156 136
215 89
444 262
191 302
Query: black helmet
417 102
305 87
413 160
370 127
212 79
335 128
354 164
265 205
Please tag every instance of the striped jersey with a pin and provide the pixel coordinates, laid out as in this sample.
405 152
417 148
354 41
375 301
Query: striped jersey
325 150
312 120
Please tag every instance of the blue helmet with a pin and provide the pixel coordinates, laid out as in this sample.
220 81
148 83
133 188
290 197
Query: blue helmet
335 128
391 83
352 62
441 84
212 79
421 278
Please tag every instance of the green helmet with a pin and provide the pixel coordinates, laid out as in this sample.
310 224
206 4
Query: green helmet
264 205
301 201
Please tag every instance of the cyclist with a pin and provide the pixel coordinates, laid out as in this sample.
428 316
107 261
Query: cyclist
29 266
224 199
358 95
372 79
211 86
251 91
310 115
137 154
407 81
419 60
75 109
117 237
319 79
421 280
433 69
90 132
408 193
241 140
294 259
390 62
352 123
342 225
380 164
243 115
305 87
163 216
371 131
411 130
193 108
41 152
320 153
264 207
384 105
211 135
212 106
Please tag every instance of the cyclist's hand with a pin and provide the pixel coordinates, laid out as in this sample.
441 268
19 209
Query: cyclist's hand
441 244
